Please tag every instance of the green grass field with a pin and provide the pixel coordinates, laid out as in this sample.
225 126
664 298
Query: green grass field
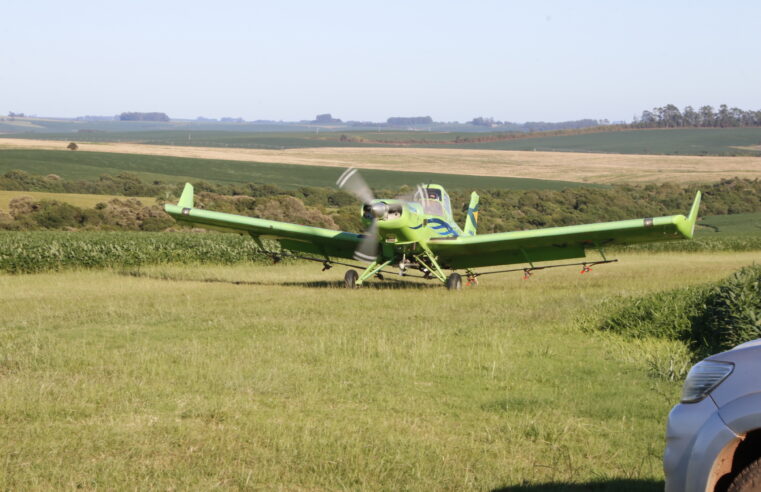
687 141
729 225
682 141
206 138
90 165
267 377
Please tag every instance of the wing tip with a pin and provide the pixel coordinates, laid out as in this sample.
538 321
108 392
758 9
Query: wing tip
186 199
688 224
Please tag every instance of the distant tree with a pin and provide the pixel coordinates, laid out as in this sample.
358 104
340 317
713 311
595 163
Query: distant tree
669 116
737 116
648 119
707 116
143 117
325 118
723 116
72 146
672 117
690 116
413 120
481 121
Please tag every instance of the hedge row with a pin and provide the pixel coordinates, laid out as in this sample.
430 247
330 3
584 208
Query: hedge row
709 318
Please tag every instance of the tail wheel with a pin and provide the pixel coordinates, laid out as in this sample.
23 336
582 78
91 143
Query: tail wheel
454 282
350 279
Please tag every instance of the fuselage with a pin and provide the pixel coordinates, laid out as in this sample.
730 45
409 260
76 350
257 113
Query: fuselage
414 221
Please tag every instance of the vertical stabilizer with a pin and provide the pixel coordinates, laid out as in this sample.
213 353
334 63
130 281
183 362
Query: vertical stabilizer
471 220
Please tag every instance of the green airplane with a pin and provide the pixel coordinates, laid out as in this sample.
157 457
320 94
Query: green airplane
417 232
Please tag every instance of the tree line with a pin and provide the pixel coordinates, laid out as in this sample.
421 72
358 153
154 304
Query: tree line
669 116
133 116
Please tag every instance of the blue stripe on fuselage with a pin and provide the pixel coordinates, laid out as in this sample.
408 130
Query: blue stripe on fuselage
438 224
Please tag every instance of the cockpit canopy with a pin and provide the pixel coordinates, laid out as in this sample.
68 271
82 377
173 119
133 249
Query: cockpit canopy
436 201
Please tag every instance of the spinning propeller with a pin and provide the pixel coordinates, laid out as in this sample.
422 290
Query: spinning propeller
352 182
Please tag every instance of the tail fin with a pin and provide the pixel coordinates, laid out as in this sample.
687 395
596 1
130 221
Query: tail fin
186 199
471 221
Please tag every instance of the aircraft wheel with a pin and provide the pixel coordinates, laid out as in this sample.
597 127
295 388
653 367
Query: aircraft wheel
454 282
350 279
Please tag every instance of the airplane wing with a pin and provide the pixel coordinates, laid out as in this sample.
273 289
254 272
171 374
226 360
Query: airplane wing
559 243
294 237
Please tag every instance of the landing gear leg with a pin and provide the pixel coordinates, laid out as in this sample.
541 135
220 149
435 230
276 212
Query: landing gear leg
430 267
373 269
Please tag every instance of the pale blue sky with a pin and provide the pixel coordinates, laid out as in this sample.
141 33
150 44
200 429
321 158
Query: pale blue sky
289 60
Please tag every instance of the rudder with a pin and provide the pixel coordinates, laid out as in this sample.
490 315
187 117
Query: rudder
471 219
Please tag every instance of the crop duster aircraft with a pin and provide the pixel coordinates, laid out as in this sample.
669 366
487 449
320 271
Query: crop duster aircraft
417 233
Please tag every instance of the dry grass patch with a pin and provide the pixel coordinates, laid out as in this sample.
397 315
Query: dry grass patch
77 199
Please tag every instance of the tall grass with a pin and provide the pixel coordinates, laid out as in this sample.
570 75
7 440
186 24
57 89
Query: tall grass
41 251
700 244
707 318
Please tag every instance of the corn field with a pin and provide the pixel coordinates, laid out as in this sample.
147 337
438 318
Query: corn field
44 251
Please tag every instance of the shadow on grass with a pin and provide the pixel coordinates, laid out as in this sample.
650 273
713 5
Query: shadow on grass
623 485
375 284
314 284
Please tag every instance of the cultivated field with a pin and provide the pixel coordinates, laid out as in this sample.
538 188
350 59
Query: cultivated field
266 377
665 141
91 165
565 166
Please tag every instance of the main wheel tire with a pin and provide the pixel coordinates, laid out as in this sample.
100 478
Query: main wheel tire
350 279
748 480
454 282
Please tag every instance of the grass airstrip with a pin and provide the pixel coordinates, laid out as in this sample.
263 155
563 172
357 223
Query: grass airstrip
274 377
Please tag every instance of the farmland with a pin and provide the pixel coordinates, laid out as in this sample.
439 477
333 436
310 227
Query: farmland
91 165
550 166
730 225
680 141
265 377
688 141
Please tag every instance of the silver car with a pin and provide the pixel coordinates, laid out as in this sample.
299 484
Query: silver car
713 437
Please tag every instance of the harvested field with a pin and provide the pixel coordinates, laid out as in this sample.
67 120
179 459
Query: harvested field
567 166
